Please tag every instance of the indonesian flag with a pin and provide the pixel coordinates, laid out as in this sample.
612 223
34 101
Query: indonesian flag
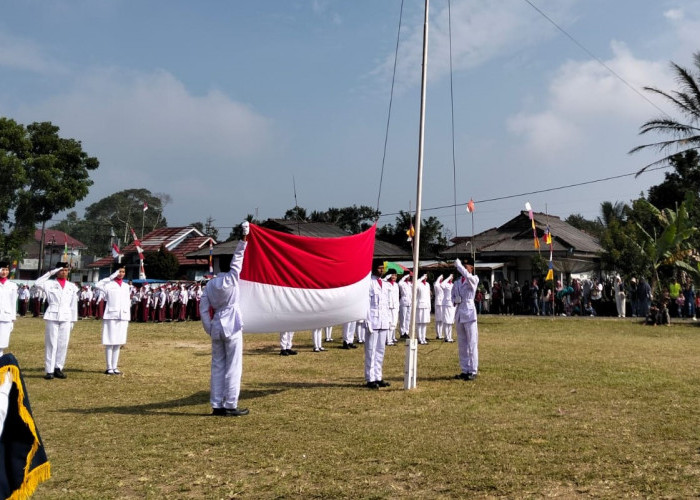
470 206
292 283
115 251
145 206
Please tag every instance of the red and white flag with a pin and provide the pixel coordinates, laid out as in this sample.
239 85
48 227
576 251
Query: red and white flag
115 251
145 206
137 244
292 283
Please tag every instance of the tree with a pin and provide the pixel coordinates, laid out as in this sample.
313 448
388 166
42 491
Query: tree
685 137
592 227
673 245
47 174
431 233
124 209
353 219
162 264
207 227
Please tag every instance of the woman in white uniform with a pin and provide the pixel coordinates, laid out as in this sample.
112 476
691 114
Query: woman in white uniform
117 315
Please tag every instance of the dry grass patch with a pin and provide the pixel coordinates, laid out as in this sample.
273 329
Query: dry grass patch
562 407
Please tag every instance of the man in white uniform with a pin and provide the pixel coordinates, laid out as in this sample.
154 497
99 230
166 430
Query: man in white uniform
448 308
117 315
60 316
393 306
463 293
405 292
223 322
422 309
437 294
8 306
378 323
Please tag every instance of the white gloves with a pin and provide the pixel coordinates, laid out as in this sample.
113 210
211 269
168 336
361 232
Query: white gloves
424 277
114 274
245 226
55 270
458 262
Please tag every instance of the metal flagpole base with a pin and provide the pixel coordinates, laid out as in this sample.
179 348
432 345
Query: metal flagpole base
411 365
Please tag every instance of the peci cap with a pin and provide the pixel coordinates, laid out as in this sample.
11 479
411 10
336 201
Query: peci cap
61 265
4 264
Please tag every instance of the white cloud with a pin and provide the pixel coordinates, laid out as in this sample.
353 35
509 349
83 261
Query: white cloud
586 99
25 55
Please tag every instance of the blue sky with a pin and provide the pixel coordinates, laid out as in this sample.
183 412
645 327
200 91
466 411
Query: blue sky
225 106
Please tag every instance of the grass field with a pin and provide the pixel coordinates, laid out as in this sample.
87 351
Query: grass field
562 407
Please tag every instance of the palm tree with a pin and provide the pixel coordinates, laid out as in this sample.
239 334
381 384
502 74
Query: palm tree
612 212
684 136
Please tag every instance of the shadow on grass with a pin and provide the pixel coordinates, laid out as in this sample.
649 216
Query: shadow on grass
196 399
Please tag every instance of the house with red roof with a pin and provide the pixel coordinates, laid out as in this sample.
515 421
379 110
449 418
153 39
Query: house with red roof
180 241
58 247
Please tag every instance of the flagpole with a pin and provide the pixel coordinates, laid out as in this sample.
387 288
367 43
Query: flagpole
411 363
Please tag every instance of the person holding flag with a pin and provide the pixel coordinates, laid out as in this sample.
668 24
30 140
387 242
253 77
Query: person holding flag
223 322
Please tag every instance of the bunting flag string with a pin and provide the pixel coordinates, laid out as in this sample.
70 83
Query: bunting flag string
528 207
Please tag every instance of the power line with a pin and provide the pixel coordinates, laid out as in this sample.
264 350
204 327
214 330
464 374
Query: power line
596 58
567 186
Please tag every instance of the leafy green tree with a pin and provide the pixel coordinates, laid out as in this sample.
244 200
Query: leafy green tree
622 253
673 245
592 227
162 265
297 213
684 137
431 233
353 219
47 174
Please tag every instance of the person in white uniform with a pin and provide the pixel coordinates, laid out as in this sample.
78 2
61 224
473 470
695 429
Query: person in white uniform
405 298
422 309
8 306
378 323
448 308
329 333
393 306
115 321
437 295
60 316
463 293
286 344
223 322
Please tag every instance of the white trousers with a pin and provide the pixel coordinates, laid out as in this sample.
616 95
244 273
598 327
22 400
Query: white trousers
56 337
361 331
316 337
468 346
375 345
112 356
404 319
226 371
447 330
421 332
349 332
620 303
329 333
286 340
5 330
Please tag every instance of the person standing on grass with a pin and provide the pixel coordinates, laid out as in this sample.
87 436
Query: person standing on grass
286 344
463 293
8 306
448 308
223 322
378 323
60 316
422 309
117 315
405 297
393 306
437 295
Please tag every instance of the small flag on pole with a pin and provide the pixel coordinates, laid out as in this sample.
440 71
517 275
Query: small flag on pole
470 206
116 253
145 206
211 251
65 249
411 233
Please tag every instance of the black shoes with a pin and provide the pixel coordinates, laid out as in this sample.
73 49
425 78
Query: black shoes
48 376
287 352
225 412
58 373
466 376
348 346
372 385
291 352
383 383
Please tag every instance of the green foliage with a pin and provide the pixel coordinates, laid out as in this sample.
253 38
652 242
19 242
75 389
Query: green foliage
431 233
353 219
684 137
43 174
162 265
594 228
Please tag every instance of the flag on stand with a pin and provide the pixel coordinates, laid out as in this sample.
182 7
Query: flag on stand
145 206
411 233
137 244
470 206
294 283
211 252
528 207
116 253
